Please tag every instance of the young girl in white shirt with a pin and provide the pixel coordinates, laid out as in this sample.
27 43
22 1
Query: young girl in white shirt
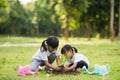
74 60
46 55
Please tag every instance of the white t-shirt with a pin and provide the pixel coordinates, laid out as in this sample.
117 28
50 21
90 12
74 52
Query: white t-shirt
39 55
76 58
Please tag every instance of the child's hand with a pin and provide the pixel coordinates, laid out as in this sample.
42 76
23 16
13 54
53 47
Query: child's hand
59 68
64 70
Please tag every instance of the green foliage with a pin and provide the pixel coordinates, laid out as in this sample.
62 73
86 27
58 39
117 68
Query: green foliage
20 21
45 17
3 3
15 19
73 9
84 18
3 10
98 15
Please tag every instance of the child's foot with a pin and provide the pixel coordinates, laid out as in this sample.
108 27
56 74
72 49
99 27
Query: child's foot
17 67
46 68
39 68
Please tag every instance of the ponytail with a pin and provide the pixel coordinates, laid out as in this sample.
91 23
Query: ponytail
68 47
75 49
43 46
50 41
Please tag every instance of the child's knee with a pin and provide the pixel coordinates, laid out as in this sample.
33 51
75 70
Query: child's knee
33 69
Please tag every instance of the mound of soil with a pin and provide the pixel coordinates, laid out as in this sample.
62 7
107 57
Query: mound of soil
61 71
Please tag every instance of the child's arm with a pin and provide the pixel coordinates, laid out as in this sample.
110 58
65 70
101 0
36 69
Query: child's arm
49 65
58 60
71 67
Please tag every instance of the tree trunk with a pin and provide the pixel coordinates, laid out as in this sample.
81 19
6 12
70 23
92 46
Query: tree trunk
112 32
102 34
66 30
88 31
13 30
37 30
119 22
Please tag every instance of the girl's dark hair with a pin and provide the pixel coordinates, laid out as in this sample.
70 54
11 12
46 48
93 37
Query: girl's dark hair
51 41
68 47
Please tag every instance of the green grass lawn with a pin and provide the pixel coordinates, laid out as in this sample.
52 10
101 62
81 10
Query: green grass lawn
102 53
19 40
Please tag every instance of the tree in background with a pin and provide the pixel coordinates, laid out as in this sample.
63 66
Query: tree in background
36 17
112 32
98 18
29 9
3 7
119 22
4 10
77 18
70 12
19 18
14 19
46 19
